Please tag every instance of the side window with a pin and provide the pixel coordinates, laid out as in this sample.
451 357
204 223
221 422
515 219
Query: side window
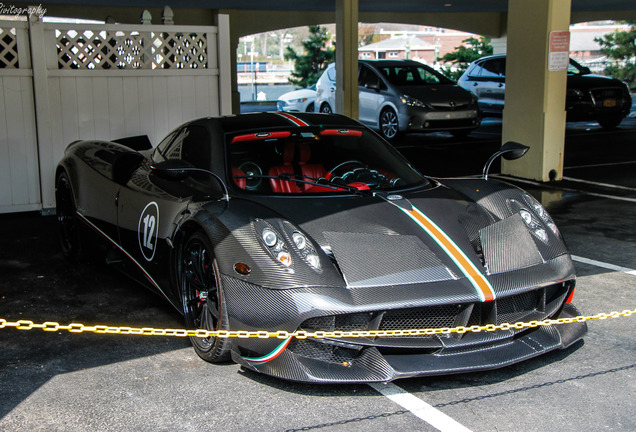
159 151
331 74
196 148
495 68
367 77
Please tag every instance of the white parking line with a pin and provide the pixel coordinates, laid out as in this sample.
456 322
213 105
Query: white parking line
605 185
419 408
604 265
600 165
536 183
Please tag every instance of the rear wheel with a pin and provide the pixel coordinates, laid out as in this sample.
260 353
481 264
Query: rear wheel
202 297
389 126
325 108
68 225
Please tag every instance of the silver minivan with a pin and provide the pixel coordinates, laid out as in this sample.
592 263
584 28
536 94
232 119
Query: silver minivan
397 96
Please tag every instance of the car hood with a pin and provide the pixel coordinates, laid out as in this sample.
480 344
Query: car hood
298 94
377 241
589 81
438 95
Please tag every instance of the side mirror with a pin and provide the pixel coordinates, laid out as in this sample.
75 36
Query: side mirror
509 151
373 86
172 169
178 169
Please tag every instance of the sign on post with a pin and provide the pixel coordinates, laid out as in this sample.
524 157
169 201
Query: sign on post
559 51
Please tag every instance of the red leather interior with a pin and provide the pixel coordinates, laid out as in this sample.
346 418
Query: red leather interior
284 186
240 181
311 170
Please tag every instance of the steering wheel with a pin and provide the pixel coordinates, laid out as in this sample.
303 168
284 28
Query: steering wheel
331 172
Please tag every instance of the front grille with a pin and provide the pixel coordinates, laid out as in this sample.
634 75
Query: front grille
607 98
537 304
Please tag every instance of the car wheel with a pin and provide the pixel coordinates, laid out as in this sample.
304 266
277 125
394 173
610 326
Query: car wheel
389 124
325 109
68 226
202 297
310 107
610 123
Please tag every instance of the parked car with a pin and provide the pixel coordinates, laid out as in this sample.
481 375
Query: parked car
589 97
404 95
313 223
301 100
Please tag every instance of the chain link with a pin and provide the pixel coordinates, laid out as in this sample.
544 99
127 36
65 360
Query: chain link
50 326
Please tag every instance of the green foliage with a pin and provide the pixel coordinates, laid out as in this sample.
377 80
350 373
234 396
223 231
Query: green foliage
309 66
620 47
471 50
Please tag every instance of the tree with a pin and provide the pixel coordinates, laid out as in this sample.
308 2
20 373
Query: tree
309 66
620 47
470 50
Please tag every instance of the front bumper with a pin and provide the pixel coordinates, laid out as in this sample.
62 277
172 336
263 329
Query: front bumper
422 120
374 364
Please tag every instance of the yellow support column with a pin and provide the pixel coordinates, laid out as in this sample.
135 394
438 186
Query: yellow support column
347 58
534 112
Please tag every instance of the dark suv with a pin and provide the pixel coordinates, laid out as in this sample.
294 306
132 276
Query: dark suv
589 97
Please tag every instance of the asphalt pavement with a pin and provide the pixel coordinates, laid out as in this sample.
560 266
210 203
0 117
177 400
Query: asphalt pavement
58 381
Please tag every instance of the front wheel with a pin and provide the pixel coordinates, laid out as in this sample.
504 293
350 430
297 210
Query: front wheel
325 108
310 108
389 126
609 123
202 297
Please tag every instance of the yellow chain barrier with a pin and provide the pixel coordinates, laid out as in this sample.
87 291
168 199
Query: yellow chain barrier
302 334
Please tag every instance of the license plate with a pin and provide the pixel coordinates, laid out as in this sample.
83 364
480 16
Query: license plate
609 103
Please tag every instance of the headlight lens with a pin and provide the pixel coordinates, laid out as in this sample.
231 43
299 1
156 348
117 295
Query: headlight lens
411 101
269 237
572 92
299 240
301 100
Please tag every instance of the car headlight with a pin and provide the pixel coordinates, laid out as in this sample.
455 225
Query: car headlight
575 93
301 100
306 250
542 213
279 248
535 216
411 101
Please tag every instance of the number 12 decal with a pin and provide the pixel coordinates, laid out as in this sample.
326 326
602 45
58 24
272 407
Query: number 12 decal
147 230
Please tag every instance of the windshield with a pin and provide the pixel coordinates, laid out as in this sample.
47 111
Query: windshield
316 160
412 75
576 69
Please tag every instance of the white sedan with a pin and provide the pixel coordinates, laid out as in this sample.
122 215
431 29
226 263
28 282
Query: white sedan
298 100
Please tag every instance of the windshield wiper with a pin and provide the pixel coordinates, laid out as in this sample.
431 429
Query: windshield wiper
323 182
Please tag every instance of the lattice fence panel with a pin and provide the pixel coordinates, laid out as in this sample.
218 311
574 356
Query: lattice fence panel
104 49
8 48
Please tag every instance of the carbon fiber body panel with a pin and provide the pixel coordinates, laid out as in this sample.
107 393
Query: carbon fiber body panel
433 253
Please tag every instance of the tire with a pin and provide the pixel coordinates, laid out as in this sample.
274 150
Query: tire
325 109
389 127
609 123
202 297
68 224
310 108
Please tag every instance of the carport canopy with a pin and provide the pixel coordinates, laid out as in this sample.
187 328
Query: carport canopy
534 111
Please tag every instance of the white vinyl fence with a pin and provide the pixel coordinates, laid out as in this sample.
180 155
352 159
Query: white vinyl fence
64 82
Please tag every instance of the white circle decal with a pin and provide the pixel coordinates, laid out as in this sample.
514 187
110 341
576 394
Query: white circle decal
147 230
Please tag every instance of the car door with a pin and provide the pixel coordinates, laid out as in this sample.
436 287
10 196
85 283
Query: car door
370 94
487 80
151 206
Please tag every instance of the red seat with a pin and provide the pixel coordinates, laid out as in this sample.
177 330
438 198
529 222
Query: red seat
237 176
284 186
312 170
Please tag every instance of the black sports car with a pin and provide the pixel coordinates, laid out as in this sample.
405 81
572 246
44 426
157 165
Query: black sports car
311 221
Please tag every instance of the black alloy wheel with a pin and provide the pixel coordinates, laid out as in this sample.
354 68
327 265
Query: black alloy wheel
310 108
68 226
201 296
389 124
